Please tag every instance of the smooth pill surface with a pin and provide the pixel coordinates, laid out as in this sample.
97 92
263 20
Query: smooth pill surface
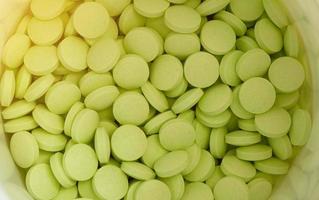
18 109
282 147
198 191
259 189
153 151
153 189
137 170
211 7
248 10
217 143
47 10
231 188
242 138
39 87
25 123
102 145
23 81
194 153
151 9
7 86
300 128
176 185
56 164
234 21
49 142
272 166
227 68
155 97
130 19
276 13
92 81
254 152
101 98
187 100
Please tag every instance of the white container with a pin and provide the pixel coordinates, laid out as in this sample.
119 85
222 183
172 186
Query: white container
302 182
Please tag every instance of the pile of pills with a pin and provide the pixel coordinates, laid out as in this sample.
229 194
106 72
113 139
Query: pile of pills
153 99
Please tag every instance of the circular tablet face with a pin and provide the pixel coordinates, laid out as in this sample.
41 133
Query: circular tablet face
153 189
46 10
231 188
151 8
129 142
198 191
91 20
248 10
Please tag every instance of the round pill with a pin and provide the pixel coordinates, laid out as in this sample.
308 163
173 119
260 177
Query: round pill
36 64
25 123
187 100
45 32
247 124
91 19
254 152
286 74
151 8
86 191
131 191
72 53
39 87
183 137
103 55
291 41
158 25
144 42
129 143
182 19
41 183
201 69
61 96
137 170
217 37
114 7
213 121
178 90
101 98
47 120
153 151
234 21
259 189
24 149
274 123
15 49
102 145
56 165
74 110
18 109
166 72
131 108
49 142
130 19
237 108
110 182
92 81
268 36
273 166
276 13
155 97
176 185
300 128
231 188
7 88
153 189
23 81
198 191
253 63
80 162
215 177
246 43
188 115
227 68
84 124
210 7
242 138
282 147
247 10
194 153
47 10
257 95
153 125
131 72
217 143
67 193
202 134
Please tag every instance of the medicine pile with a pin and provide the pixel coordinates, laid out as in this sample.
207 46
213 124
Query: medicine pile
153 99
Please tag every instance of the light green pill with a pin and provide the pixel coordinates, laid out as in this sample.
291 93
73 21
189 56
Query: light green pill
213 121
18 109
248 10
176 185
90 20
35 63
301 127
109 126
286 74
166 72
242 138
192 3
178 90
7 88
259 189
130 19
47 120
202 134
74 110
211 7
155 97
14 50
231 188
257 95
129 143
84 124
58 171
237 108
287 100
234 21
182 19
153 125
25 123
144 42
61 96
273 166
194 154
227 68
217 143
92 81
24 149
274 123
217 37
67 193
177 1
214 178
254 152
282 147
203 169
177 134
246 43
131 108
44 157
45 32
114 7
80 162
181 45
268 177
232 166
276 13
153 189
39 87
171 164
72 53
41 183
198 191
151 8
49 142
23 81
131 191
23 24
188 115
201 69
47 10
74 77
101 98
103 55
137 170
253 63
131 72
187 100
216 99
247 124
158 25
61 70
291 41
268 36
153 151
85 189
102 145
110 182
